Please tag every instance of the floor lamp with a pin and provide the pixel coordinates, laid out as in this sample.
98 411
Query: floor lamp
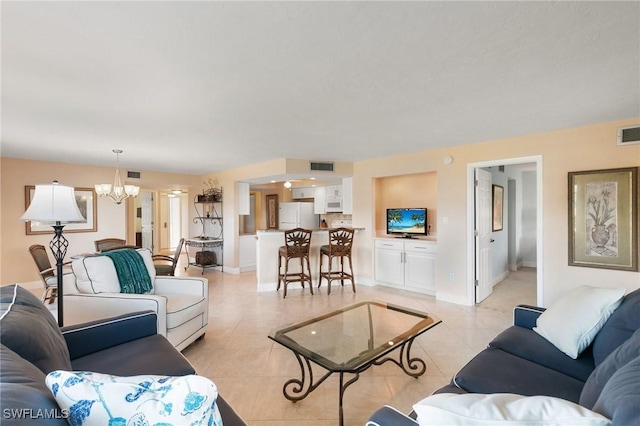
55 204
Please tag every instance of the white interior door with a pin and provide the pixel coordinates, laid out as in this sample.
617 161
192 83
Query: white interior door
163 242
483 234
146 202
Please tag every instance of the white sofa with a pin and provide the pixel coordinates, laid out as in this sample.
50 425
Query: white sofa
181 303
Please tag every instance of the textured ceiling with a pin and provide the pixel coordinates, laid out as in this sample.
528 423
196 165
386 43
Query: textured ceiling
198 87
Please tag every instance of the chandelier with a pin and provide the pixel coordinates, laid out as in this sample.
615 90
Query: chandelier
117 192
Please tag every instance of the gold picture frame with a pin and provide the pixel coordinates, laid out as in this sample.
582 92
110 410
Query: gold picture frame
87 203
603 218
497 212
272 211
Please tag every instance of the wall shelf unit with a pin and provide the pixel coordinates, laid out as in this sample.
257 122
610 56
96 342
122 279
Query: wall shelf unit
207 249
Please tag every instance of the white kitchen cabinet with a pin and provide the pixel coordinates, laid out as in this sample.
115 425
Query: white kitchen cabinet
406 264
347 195
333 191
298 193
319 200
244 198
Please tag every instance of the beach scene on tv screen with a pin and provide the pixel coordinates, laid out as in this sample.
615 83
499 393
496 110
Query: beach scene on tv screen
410 221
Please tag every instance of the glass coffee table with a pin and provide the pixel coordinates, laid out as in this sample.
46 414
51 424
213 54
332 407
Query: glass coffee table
351 340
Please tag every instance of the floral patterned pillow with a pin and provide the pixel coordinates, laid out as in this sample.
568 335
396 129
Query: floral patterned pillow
94 398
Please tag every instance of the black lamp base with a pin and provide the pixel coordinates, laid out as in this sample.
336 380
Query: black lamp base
58 246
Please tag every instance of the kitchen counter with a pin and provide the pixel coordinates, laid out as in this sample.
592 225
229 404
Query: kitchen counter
312 229
268 242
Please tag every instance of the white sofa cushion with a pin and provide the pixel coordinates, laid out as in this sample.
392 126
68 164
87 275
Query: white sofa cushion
182 308
572 321
97 274
503 409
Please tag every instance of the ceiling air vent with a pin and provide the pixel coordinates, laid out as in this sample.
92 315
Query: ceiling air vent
629 135
317 166
133 175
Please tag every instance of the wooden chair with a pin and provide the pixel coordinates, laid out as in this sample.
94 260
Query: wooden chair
106 243
46 271
297 243
339 247
166 265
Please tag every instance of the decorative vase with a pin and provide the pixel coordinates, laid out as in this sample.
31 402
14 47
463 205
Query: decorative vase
600 235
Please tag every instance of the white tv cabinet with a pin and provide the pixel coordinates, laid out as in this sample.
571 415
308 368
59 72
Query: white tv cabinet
409 264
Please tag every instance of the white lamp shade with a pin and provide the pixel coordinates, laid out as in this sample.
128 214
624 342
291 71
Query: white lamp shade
53 203
103 189
132 190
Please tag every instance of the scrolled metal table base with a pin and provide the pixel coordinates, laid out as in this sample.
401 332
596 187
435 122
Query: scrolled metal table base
297 389
414 367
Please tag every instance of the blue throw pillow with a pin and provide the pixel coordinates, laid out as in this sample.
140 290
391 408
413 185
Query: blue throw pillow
25 397
620 398
618 328
30 330
624 354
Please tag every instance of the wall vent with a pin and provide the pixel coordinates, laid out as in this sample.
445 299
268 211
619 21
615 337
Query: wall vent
318 166
133 175
628 135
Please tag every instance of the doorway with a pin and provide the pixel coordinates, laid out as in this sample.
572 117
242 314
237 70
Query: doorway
171 217
521 235
144 219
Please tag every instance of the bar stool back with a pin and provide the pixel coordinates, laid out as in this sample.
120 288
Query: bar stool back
339 247
297 243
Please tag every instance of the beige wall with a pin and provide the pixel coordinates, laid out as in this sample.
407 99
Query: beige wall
584 148
16 264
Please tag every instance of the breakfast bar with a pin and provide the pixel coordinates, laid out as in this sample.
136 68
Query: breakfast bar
268 242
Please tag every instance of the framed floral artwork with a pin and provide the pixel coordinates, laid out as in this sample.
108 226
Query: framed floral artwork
603 219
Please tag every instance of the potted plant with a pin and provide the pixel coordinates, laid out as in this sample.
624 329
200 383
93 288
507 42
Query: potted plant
211 193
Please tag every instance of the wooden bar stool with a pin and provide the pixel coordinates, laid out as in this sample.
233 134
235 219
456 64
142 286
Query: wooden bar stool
340 244
297 243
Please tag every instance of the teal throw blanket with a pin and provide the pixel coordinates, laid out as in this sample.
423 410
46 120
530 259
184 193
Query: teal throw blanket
132 272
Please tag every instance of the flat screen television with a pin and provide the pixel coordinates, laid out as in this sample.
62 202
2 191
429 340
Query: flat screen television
407 223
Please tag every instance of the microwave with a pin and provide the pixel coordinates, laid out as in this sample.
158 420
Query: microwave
333 205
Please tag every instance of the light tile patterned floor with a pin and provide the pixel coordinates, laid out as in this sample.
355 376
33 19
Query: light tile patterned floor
250 369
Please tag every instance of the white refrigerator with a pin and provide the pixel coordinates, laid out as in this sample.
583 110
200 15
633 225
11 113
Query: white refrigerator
297 215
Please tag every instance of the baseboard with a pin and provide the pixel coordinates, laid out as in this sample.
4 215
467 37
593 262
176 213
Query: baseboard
503 276
451 298
247 268
531 264
271 286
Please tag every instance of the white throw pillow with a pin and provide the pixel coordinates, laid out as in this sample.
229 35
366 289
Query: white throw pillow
573 321
503 409
101 399
97 274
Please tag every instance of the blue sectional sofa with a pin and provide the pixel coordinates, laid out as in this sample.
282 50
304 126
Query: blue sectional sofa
604 378
32 345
